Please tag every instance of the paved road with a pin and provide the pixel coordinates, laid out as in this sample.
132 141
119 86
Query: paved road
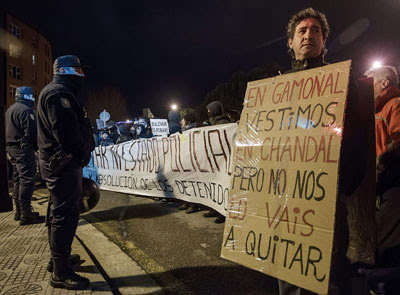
180 251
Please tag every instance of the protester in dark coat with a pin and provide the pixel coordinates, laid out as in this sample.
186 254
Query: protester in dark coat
234 116
216 116
105 139
174 121
143 130
189 122
307 32
123 134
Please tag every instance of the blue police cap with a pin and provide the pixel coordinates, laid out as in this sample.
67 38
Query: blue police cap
65 61
24 92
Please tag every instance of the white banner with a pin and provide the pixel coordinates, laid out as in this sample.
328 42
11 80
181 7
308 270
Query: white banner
194 166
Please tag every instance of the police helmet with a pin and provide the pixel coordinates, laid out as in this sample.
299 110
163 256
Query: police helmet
90 195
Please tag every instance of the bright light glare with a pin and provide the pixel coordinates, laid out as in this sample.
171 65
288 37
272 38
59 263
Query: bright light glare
376 64
174 107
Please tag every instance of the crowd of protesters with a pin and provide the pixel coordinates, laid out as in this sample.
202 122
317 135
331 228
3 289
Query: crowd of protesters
307 32
116 133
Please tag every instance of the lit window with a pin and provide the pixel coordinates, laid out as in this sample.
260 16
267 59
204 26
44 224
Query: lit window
15 51
33 59
15 72
15 30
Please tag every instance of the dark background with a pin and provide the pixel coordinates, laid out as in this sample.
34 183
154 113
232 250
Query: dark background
158 52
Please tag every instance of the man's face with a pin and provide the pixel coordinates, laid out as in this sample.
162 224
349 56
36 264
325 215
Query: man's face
379 86
307 39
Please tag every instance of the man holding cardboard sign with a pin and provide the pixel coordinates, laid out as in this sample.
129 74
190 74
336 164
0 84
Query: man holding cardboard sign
287 215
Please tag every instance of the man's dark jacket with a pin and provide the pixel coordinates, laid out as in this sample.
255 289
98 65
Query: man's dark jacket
63 122
21 124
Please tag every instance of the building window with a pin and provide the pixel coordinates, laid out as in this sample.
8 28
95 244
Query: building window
15 51
11 90
34 79
15 72
15 30
33 59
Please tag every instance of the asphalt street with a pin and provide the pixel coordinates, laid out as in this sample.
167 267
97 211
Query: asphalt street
180 251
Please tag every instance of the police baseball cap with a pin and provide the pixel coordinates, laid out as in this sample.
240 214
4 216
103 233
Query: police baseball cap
24 92
68 65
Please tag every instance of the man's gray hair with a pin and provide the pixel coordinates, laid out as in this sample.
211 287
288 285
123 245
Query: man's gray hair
384 72
307 13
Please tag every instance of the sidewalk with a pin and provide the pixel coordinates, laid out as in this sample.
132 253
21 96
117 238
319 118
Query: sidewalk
24 254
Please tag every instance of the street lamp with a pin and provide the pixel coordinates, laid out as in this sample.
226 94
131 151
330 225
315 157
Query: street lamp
174 107
376 64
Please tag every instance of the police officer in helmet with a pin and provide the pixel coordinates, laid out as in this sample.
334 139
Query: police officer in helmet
21 137
65 144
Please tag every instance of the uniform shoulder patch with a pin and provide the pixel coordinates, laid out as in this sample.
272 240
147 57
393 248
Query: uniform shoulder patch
32 116
65 102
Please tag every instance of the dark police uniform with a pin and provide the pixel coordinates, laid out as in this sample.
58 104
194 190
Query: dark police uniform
21 138
63 129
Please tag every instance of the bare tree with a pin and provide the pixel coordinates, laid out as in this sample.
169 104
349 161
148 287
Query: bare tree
110 99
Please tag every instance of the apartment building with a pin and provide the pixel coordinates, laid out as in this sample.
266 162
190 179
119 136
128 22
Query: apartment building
28 57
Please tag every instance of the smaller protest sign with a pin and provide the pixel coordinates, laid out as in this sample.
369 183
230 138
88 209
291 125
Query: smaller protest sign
159 127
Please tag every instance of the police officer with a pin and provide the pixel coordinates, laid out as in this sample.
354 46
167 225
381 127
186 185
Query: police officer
21 133
65 144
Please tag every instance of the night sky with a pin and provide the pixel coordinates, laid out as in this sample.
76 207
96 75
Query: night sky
161 51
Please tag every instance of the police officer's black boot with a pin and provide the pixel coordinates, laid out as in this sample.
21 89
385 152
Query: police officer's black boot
28 216
73 260
17 215
64 277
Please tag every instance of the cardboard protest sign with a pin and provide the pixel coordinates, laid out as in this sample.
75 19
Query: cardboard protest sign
284 181
159 127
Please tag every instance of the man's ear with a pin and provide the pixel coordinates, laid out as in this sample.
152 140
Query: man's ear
386 83
290 43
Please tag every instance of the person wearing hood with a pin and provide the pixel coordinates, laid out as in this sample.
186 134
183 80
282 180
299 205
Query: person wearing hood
21 138
216 114
65 145
174 121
